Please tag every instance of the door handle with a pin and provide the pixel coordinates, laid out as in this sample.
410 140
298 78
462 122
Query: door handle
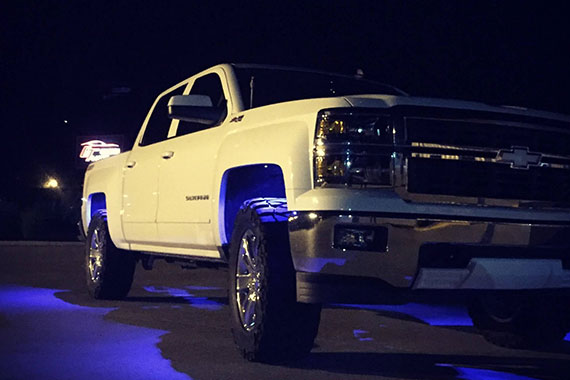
167 155
131 164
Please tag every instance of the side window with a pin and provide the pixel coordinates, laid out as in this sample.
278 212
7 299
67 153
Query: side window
159 122
209 85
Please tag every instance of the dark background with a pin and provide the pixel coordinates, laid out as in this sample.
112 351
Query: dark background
100 64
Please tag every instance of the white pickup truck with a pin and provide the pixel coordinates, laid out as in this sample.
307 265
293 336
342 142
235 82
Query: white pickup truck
322 188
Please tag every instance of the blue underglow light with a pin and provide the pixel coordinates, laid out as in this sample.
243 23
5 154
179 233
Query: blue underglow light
466 373
203 303
98 202
361 335
47 338
317 264
433 315
567 337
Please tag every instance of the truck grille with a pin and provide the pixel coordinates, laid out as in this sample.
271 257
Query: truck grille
487 180
485 158
487 134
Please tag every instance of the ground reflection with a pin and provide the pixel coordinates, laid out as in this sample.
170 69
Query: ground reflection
44 337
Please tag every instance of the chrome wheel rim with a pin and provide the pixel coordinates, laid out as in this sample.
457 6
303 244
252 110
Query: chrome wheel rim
95 262
248 280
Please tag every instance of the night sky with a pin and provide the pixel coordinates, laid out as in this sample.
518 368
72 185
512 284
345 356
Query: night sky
70 60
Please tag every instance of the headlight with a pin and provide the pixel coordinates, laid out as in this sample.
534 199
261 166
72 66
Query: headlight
353 148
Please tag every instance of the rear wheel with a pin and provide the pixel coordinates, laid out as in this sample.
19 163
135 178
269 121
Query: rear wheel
109 270
268 324
521 322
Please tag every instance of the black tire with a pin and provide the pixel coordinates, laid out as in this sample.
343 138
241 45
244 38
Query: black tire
277 328
522 322
109 270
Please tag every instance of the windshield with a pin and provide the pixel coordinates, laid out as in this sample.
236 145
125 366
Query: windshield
272 85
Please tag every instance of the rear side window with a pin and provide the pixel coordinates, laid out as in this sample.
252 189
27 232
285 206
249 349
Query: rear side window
211 86
159 122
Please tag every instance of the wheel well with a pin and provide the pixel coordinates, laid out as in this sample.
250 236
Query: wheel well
243 183
97 202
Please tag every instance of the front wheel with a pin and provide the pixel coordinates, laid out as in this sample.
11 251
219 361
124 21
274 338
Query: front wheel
109 270
268 324
517 321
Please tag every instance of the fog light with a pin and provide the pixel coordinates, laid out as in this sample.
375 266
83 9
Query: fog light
361 238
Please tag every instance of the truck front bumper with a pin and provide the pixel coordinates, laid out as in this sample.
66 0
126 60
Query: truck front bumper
391 255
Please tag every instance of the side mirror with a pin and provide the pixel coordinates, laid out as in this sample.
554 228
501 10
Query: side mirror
194 108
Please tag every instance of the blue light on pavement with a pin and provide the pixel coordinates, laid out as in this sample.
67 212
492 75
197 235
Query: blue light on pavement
467 373
46 338
361 335
434 315
203 303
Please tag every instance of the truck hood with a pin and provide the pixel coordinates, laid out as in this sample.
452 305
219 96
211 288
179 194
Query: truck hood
387 101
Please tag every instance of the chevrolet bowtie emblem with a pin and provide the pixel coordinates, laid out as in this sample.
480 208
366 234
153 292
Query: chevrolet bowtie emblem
519 157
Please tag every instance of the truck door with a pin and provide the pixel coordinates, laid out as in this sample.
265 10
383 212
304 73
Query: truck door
140 186
186 190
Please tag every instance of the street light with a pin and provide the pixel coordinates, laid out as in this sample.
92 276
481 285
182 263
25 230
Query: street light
51 183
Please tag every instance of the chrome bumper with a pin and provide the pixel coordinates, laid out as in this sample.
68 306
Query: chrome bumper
422 251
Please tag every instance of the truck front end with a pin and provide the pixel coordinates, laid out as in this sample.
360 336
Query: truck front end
433 197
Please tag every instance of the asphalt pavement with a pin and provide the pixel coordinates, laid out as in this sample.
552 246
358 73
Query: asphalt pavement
175 325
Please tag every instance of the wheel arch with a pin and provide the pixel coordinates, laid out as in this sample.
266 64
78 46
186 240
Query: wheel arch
99 201
242 183
94 202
